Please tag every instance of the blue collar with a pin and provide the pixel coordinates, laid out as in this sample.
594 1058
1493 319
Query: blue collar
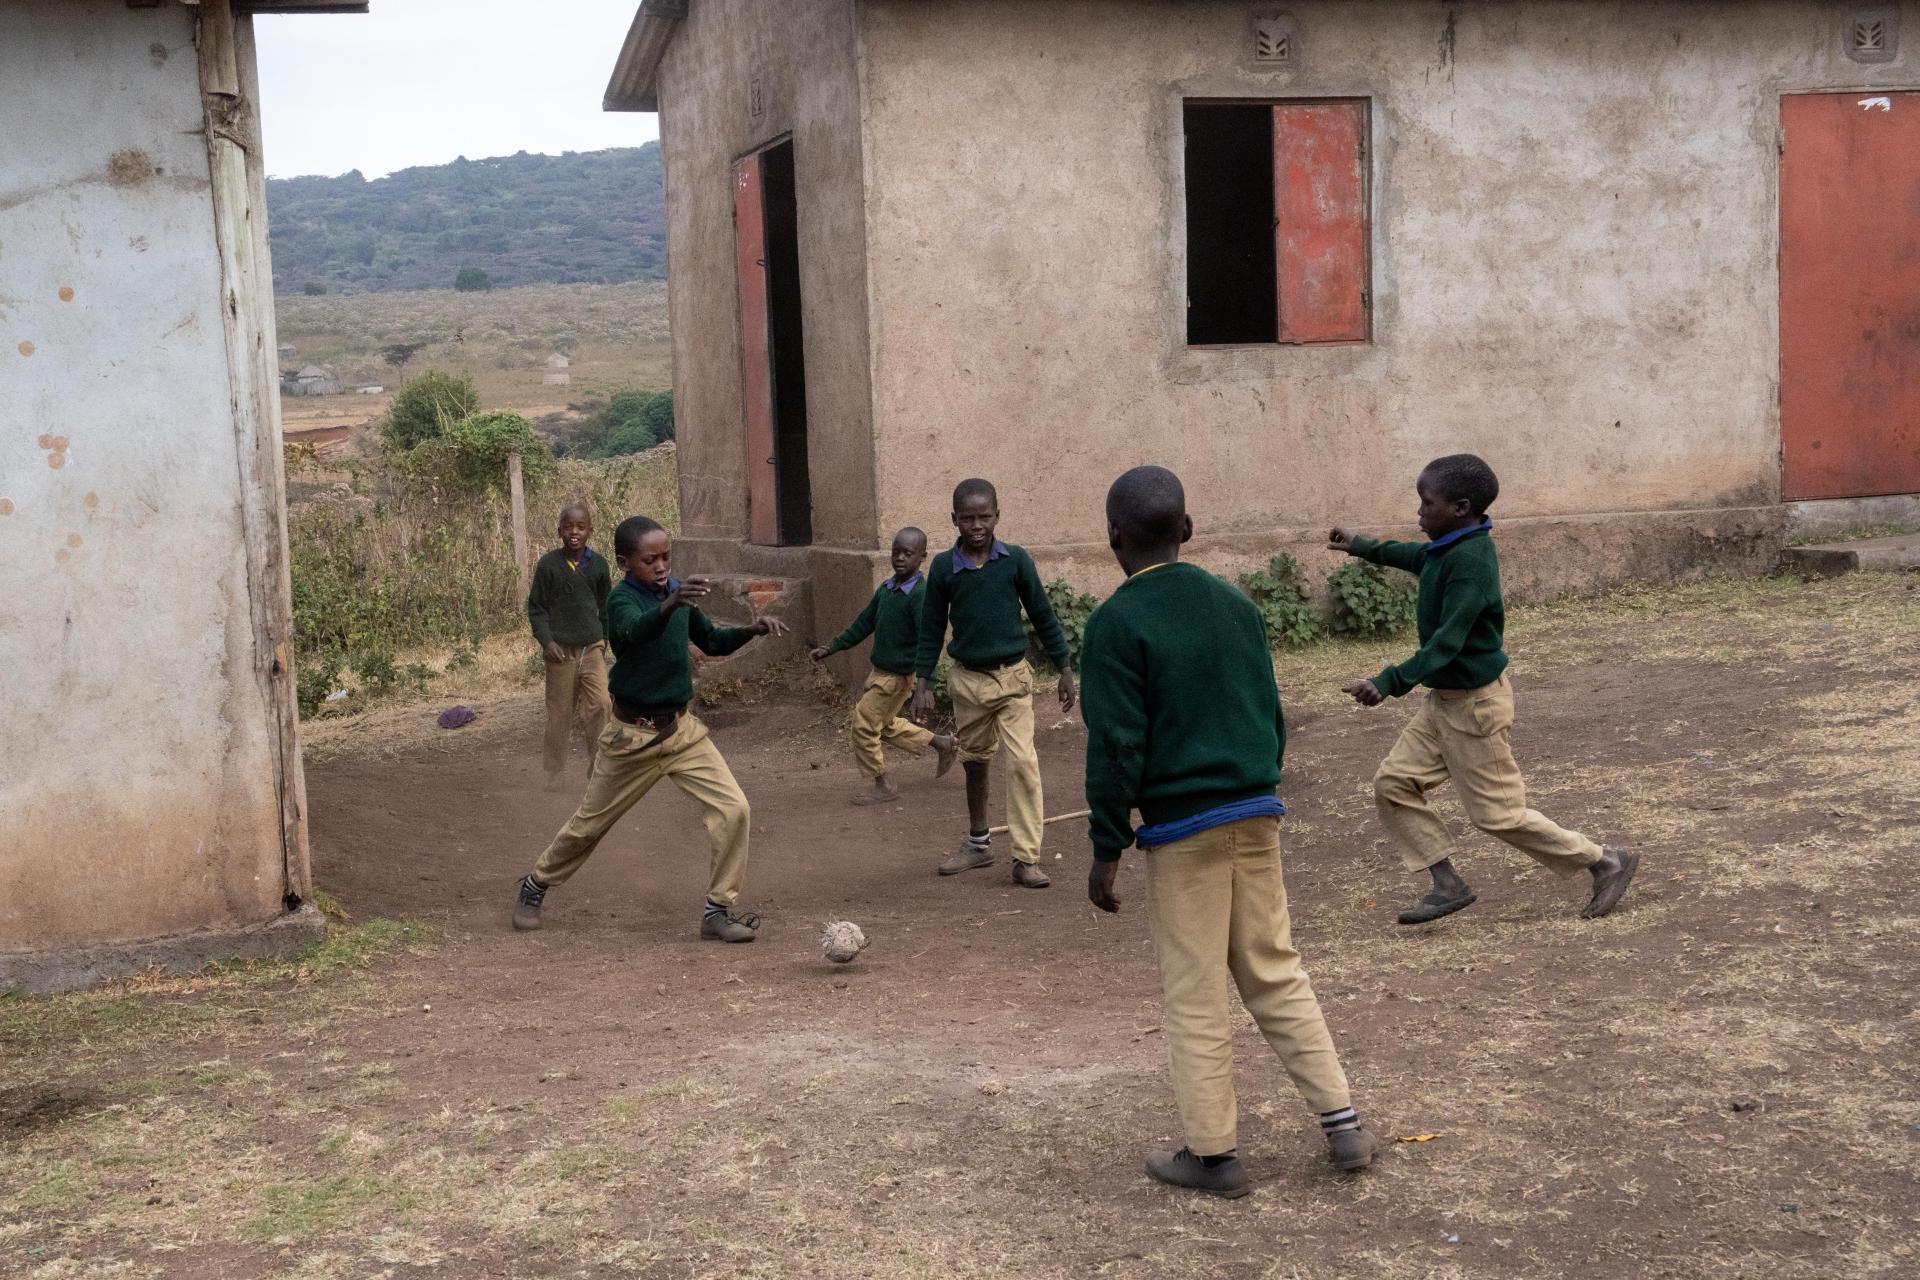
961 564
673 585
1438 545
586 554
904 588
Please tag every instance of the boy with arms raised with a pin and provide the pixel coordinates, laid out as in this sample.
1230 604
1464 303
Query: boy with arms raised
651 618
1461 728
892 618
981 585
1184 724
567 607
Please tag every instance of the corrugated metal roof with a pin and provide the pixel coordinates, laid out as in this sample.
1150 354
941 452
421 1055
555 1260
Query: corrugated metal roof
632 86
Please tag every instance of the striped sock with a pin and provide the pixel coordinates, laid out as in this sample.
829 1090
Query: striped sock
1332 1122
532 890
980 841
714 909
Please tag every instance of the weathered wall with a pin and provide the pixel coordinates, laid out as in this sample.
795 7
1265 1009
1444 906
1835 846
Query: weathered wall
139 785
1574 263
802 54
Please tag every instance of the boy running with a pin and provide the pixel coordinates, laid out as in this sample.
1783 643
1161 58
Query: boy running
892 618
567 606
1184 724
651 618
982 584
1461 728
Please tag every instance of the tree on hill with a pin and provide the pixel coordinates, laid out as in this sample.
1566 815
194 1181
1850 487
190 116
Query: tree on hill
472 280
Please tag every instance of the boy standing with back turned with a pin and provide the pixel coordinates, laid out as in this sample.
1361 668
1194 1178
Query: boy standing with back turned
567 607
1461 728
982 584
1184 724
892 618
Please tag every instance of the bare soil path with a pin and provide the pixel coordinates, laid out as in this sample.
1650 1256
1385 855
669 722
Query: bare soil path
1720 1080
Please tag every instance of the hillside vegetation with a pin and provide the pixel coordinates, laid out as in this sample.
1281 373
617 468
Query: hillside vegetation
580 217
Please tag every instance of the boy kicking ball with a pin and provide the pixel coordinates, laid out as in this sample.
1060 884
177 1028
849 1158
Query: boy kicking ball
892 618
1461 728
651 618
1184 724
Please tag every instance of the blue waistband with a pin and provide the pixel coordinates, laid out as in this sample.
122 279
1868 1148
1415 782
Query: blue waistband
1164 833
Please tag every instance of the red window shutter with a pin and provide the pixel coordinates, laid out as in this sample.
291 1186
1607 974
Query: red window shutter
1320 220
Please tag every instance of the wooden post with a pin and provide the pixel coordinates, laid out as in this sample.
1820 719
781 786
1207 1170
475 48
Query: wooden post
517 498
228 76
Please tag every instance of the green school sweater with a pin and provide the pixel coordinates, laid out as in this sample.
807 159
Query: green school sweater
984 606
1459 612
892 618
569 605
1176 686
651 671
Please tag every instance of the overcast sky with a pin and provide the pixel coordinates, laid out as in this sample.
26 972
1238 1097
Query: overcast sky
422 81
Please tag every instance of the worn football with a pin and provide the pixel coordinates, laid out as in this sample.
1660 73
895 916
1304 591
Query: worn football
842 940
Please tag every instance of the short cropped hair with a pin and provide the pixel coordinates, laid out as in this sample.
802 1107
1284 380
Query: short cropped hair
1147 505
1464 475
580 508
974 488
629 532
915 530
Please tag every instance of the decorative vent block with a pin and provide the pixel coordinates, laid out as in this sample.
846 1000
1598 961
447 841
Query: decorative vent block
1275 40
1871 35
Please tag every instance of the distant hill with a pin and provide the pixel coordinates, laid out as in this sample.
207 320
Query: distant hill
583 217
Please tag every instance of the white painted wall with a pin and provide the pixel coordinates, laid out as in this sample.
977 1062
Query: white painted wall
137 787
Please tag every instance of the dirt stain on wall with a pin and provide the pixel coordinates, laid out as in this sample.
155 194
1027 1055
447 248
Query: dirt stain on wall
66 293
130 168
26 348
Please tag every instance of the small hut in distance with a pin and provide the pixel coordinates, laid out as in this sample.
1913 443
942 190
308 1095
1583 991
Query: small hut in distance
556 374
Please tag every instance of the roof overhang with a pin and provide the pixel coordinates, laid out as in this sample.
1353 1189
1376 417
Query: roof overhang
270 6
633 87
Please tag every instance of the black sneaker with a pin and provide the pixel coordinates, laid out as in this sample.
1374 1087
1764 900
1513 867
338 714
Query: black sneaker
1182 1168
526 915
725 926
1351 1150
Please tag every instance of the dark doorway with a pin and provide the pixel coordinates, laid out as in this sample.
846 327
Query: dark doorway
787 338
1231 288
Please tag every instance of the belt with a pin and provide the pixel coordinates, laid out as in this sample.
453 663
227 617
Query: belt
661 723
993 667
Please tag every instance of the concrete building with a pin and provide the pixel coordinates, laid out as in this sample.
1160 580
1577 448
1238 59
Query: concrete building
151 803
310 381
1656 261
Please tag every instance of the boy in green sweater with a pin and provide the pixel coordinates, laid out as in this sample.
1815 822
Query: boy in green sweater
982 585
567 606
1184 724
892 618
1461 729
651 618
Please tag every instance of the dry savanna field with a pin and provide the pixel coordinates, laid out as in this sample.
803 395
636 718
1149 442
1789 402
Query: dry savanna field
1720 1080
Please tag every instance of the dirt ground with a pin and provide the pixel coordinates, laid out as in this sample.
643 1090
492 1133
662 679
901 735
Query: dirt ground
1719 1081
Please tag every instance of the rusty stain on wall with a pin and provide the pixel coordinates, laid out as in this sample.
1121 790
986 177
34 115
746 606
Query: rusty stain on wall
92 500
6 507
66 293
26 348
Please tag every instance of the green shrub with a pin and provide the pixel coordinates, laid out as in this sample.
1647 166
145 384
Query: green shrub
472 280
318 675
425 406
472 454
1072 608
631 422
1279 592
1369 600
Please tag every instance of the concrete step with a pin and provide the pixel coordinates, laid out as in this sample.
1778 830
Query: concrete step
1829 559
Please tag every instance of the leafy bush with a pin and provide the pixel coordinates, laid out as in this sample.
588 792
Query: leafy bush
314 289
631 422
317 676
425 406
473 453
1072 608
1279 592
1369 600
472 280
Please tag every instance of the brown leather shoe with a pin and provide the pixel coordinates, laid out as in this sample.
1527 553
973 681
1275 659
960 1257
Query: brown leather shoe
1611 884
1351 1149
526 912
1182 1168
1029 876
968 856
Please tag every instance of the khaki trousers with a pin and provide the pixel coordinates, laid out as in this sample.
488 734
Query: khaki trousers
1463 734
631 760
877 719
994 709
577 686
1218 906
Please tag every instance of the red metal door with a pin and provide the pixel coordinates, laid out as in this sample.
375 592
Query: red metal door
1320 220
1850 294
756 351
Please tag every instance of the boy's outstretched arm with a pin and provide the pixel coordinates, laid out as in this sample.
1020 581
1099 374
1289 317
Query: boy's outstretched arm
628 623
926 656
717 642
1033 597
1116 716
1466 599
1395 555
857 630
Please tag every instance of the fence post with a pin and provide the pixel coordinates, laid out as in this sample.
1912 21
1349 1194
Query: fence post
517 498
